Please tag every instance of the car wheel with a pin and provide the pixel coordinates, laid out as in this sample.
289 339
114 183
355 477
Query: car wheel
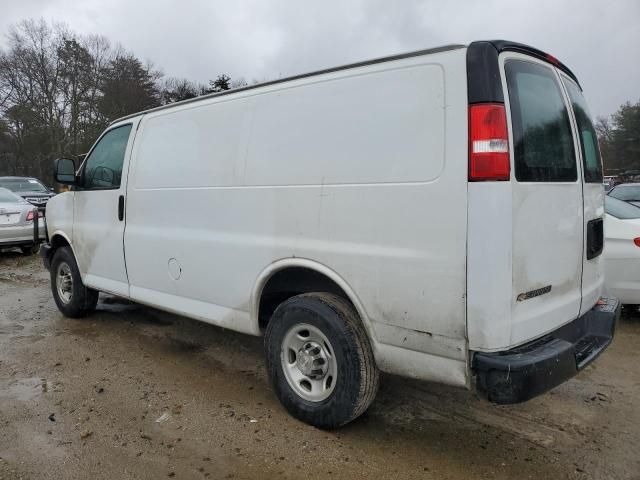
320 361
70 294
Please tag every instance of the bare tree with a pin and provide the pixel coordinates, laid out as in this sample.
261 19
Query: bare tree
59 90
34 106
178 89
239 83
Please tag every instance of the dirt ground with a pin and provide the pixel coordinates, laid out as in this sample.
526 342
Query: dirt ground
131 392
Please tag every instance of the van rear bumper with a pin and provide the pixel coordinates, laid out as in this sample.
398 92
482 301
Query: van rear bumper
529 370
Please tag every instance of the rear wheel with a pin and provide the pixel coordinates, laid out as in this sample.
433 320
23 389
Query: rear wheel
70 294
320 361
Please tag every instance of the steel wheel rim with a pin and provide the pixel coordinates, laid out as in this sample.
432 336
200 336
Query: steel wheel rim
64 282
308 362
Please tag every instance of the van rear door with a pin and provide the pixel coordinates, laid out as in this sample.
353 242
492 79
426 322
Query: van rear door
592 193
534 228
547 199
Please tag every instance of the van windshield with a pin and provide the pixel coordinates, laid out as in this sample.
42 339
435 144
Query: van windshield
588 138
620 209
542 138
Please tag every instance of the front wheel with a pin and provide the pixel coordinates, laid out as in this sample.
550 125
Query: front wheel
320 361
72 297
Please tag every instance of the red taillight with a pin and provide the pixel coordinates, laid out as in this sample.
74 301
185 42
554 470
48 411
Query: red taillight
637 241
30 216
488 142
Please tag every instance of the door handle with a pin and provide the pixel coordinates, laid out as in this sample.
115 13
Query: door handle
121 207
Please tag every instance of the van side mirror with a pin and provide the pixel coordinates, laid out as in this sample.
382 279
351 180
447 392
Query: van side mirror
64 171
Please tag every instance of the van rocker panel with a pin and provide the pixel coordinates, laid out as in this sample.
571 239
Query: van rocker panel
521 373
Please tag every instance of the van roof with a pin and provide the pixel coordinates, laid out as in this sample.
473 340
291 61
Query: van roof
499 45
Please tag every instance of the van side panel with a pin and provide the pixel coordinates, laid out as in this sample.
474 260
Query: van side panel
326 129
361 170
202 146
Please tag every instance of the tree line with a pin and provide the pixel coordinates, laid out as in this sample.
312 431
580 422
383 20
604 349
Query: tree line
59 91
619 137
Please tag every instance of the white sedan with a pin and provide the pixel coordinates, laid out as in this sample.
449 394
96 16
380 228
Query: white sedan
622 250
629 192
17 223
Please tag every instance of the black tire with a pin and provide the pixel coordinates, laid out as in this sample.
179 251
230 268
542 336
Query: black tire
82 299
357 380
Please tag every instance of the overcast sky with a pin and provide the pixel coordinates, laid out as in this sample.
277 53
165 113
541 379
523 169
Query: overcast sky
199 39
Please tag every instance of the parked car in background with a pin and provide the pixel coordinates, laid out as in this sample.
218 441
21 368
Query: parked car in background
628 192
17 218
31 189
629 176
609 183
622 250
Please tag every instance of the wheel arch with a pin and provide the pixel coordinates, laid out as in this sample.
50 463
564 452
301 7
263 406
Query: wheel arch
60 239
289 265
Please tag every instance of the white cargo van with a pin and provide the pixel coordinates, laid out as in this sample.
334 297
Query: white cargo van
436 215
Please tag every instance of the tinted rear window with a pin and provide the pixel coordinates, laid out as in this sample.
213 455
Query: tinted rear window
543 143
588 138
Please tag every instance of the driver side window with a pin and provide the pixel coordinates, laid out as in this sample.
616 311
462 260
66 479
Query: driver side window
103 167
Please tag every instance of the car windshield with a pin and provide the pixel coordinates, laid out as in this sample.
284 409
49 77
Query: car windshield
6 196
620 209
23 185
628 193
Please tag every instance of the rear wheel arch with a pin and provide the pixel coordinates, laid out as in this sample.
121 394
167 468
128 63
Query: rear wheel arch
316 278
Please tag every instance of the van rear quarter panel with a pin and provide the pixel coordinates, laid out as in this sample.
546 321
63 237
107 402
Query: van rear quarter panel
363 171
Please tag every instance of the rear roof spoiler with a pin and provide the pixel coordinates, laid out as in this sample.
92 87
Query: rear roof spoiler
483 70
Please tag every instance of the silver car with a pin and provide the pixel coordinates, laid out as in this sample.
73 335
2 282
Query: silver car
17 223
29 188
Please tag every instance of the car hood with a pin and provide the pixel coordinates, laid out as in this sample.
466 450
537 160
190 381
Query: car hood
27 193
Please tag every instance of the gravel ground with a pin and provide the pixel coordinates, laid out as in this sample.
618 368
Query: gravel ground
131 392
